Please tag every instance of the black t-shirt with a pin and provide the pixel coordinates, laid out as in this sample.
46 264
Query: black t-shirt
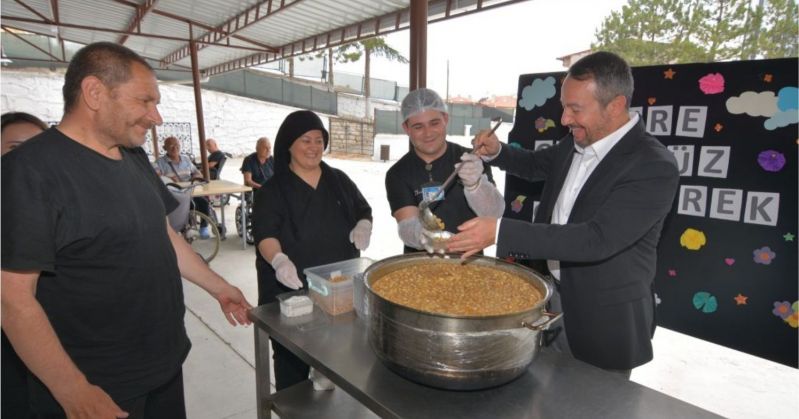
406 178
110 285
312 225
217 156
260 172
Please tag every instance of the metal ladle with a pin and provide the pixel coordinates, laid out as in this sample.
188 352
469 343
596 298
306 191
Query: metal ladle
428 219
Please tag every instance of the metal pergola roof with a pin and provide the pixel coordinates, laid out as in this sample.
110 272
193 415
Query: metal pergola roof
227 34
209 37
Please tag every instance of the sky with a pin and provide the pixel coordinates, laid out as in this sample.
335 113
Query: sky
487 51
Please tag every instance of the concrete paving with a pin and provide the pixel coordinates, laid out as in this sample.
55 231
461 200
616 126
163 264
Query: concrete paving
220 376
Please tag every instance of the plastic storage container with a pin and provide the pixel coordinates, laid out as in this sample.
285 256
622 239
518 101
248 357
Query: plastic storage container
359 296
329 290
294 304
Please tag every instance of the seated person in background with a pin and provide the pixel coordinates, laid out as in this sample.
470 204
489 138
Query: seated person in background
216 158
179 168
18 127
258 167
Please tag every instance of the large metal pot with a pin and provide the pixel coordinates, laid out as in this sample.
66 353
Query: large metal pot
452 352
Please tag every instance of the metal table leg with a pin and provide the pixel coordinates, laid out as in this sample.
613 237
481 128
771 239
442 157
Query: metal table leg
262 365
244 220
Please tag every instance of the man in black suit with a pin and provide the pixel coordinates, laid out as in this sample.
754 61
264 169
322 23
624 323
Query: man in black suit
609 186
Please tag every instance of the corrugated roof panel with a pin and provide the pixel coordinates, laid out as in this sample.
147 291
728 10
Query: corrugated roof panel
12 8
96 13
161 25
255 30
319 16
210 12
150 47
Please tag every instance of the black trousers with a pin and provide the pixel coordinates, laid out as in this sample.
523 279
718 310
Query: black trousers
164 402
14 383
289 369
202 205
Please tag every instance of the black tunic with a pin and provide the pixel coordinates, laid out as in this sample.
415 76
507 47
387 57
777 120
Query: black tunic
312 225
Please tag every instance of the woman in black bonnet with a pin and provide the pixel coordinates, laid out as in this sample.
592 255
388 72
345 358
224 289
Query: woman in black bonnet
308 214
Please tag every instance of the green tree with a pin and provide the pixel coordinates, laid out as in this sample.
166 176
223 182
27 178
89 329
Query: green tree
367 48
649 32
778 38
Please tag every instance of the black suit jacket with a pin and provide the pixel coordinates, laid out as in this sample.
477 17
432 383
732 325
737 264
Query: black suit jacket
608 247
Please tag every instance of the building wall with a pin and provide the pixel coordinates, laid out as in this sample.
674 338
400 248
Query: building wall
235 122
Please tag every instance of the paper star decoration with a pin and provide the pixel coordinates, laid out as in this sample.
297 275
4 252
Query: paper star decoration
669 74
788 237
718 127
741 299
767 78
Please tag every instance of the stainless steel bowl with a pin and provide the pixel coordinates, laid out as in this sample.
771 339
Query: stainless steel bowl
455 352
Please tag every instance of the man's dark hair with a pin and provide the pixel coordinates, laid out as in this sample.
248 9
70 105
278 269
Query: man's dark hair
610 72
10 118
107 61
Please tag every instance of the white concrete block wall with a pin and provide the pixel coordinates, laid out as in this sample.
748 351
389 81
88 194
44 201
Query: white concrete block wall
352 106
235 122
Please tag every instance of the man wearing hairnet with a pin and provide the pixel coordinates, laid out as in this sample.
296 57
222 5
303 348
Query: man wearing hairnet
420 174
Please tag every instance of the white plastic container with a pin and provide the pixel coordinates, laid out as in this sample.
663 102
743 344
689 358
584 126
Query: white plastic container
293 304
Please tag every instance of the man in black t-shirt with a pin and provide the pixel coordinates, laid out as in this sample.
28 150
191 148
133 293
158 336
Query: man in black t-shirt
216 158
92 299
258 167
420 173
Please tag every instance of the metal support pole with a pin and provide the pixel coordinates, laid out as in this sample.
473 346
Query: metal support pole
418 35
198 105
154 134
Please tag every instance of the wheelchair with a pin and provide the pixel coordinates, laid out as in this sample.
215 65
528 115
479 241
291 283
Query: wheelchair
187 221
248 196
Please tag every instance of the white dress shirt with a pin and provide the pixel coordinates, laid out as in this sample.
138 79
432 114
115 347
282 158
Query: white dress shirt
584 161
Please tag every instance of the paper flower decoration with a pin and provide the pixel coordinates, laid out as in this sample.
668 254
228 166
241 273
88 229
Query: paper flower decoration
705 302
692 239
517 204
771 160
782 309
764 255
793 319
712 84
542 124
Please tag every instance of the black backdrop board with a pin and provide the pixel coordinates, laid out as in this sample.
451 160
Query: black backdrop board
727 261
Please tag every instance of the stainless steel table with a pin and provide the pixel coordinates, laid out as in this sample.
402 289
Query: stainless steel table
555 386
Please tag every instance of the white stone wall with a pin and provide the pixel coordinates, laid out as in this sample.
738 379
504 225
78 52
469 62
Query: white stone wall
352 106
235 122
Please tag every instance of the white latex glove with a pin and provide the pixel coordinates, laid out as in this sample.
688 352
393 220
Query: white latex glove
435 241
471 170
485 199
286 272
410 232
361 233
